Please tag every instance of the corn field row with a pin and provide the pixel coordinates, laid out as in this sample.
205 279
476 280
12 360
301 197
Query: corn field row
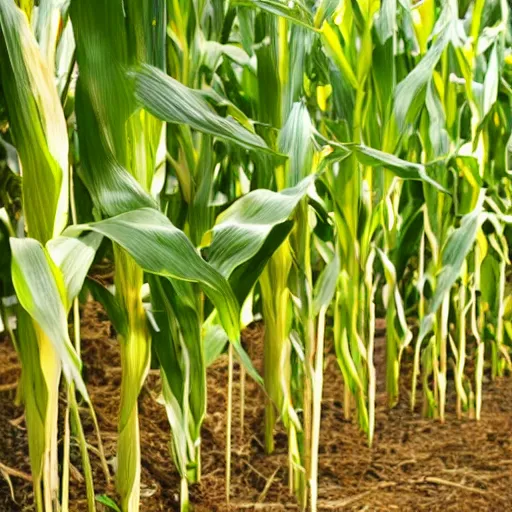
315 163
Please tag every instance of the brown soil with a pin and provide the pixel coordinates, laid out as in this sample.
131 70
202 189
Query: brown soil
415 464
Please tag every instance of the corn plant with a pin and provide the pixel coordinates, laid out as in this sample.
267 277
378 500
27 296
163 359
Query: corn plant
46 269
318 161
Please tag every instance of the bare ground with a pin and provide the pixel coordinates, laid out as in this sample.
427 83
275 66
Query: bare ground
415 464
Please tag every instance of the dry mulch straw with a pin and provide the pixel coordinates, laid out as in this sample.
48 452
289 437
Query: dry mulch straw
414 465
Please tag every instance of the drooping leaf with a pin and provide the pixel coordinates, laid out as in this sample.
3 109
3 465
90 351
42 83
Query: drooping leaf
242 229
457 247
173 102
117 145
158 247
74 256
179 299
403 334
326 285
459 244
293 11
35 393
39 286
374 157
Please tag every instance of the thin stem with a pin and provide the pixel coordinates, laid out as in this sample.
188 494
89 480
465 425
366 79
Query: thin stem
317 409
77 336
69 76
76 326
498 371
242 399
89 483
305 286
86 463
392 368
7 325
421 314
443 357
347 401
477 325
65 458
462 398
372 378
228 422
291 468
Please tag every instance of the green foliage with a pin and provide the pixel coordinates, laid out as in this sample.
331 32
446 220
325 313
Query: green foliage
315 162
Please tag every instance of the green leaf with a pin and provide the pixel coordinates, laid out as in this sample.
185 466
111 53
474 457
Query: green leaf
166 339
374 157
491 82
459 244
401 168
178 299
296 141
385 23
241 230
39 287
383 58
180 436
158 247
244 277
215 340
404 334
334 49
457 247
37 124
74 256
325 9
179 349
117 145
113 189
214 50
35 392
325 286
293 11
108 502
219 102
409 234
437 127
173 102
410 92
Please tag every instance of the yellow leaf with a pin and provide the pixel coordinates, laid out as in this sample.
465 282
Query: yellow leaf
323 92
423 18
